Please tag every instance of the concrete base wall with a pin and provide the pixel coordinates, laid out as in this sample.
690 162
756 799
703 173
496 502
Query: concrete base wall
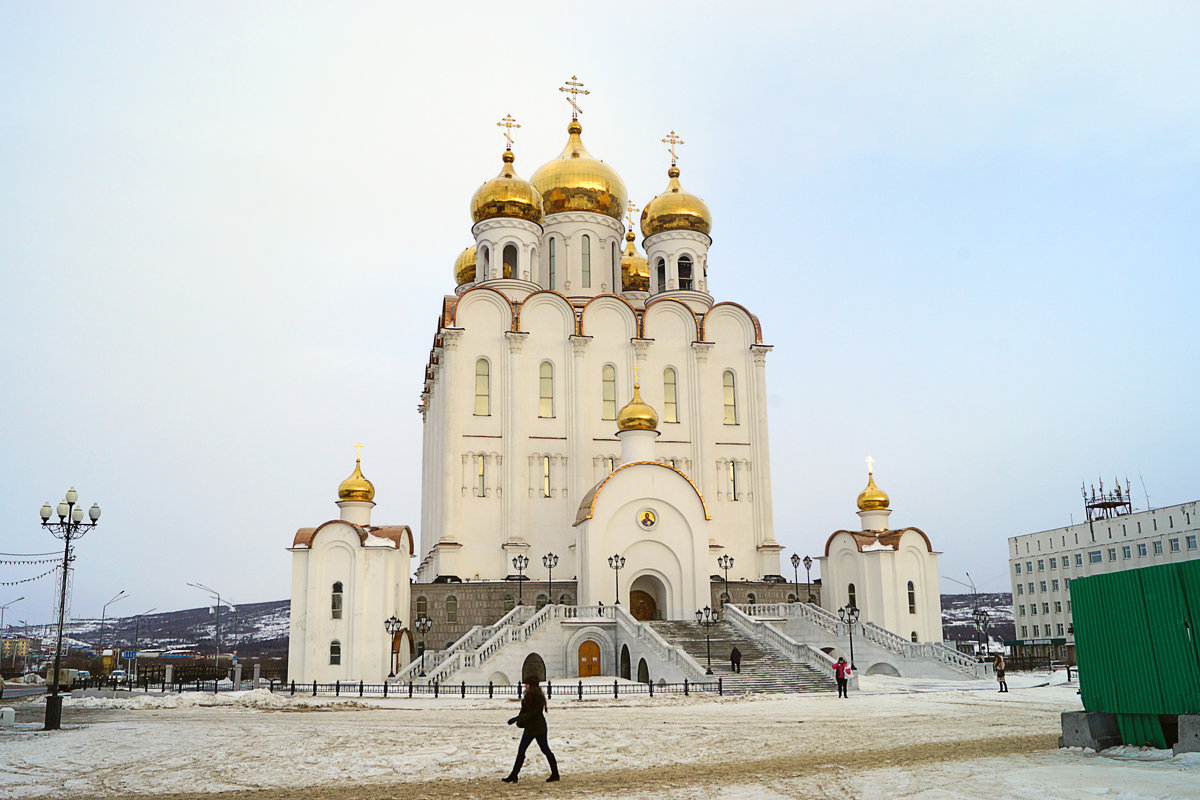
1091 729
1189 734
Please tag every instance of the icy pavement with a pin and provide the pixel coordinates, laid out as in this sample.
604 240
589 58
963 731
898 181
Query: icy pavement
895 738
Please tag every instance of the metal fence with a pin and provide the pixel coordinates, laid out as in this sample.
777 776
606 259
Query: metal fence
577 690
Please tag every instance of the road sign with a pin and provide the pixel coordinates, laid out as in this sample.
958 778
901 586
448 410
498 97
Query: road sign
129 654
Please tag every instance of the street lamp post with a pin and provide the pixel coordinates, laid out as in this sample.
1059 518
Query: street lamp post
6 605
550 561
981 622
616 561
393 626
25 653
423 624
725 562
519 564
808 576
121 595
707 618
796 574
137 624
70 526
216 618
849 614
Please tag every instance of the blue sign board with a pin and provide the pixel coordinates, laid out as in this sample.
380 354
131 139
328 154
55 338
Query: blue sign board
129 654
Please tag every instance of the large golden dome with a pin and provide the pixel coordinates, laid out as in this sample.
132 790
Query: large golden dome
506 195
356 487
872 498
636 415
635 269
676 209
575 181
464 266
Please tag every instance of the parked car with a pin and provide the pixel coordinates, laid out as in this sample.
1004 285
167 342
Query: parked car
118 676
82 675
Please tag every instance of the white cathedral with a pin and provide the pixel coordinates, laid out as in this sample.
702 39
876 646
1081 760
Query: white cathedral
583 400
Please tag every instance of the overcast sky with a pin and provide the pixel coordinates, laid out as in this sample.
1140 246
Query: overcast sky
970 230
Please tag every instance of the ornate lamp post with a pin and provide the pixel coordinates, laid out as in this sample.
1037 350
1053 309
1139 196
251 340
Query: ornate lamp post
707 618
980 616
849 615
392 626
70 526
617 561
216 618
808 577
550 561
423 624
104 611
519 564
796 574
725 562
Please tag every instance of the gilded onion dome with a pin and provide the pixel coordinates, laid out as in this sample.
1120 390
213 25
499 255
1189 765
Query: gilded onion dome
464 266
356 487
635 269
506 195
675 210
872 498
636 415
575 181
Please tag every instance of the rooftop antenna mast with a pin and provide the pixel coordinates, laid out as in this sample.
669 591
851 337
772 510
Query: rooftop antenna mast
1143 480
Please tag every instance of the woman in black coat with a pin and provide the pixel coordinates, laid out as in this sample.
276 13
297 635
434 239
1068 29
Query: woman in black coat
532 720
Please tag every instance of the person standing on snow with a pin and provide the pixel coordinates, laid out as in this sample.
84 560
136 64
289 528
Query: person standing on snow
841 671
998 665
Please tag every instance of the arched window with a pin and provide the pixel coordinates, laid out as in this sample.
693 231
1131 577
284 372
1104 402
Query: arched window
791 597
486 262
670 396
730 398
733 484
452 609
552 260
510 603
566 600
335 601
510 260
585 251
660 270
422 606
541 601
335 652
853 600
545 476
480 475
608 392
685 272
723 599
546 390
610 464
914 636
483 388
912 599
752 598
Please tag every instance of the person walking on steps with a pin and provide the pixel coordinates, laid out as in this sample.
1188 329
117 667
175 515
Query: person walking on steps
998 665
532 720
841 671
735 660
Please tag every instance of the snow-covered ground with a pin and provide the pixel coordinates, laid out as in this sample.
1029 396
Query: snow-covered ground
894 738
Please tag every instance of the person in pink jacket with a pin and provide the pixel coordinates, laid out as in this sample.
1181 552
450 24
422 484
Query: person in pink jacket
841 671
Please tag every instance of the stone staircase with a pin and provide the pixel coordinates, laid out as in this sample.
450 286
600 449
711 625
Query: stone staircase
763 668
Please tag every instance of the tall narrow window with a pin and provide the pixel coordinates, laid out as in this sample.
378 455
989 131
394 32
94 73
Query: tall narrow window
335 652
608 392
670 397
660 270
546 390
487 262
616 270
685 272
733 487
510 261
483 381
552 259
914 636
912 599
422 606
545 476
853 598
335 601
586 255
610 464
730 398
452 609
480 475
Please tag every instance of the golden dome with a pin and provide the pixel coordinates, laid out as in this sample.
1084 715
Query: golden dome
872 498
356 487
464 266
506 195
635 269
636 415
575 181
675 209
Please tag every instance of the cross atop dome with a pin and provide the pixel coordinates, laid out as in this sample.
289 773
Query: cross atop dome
508 123
670 141
574 88
632 213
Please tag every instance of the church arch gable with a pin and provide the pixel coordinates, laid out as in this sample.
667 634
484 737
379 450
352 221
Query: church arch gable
664 309
481 305
546 313
608 315
726 318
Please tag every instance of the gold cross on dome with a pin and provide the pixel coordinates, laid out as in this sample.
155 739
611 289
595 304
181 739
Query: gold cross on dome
508 123
635 373
633 210
358 450
870 466
574 87
670 141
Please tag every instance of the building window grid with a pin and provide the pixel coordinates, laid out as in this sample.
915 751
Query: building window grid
670 396
585 252
608 392
730 398
546 390
480 475
335 601
1158 548
482 388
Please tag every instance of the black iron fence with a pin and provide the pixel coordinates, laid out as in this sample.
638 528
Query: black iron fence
567 690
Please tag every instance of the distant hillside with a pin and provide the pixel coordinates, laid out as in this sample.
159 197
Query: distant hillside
958 624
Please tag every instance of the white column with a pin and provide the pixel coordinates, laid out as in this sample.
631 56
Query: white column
449 438
760 477
513 443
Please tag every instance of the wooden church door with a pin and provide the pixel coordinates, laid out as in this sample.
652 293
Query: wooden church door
589 659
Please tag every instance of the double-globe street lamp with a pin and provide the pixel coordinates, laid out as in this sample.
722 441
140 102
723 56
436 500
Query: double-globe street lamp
393 626
520 563
423 624
70 526
707 618
808 577
550 561
617 562
849 614
725 562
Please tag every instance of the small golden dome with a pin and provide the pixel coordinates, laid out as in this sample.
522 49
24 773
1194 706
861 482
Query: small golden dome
506 195
636 415
872 498
635 269
464 266
575 181
675 209
356 487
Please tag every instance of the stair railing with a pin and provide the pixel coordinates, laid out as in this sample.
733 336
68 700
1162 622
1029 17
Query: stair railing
760 631
676 656
810 612
464 650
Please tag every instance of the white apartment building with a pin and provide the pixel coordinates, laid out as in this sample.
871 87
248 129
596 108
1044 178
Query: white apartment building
1042 565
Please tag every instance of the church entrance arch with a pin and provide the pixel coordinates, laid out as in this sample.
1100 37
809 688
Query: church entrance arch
625 661
643 672
647 598
589 659
533 668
